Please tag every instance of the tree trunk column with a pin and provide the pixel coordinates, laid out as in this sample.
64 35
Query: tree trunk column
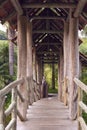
30 62
53 76
11 35
22 49
66 48
60 75
74 66
34 64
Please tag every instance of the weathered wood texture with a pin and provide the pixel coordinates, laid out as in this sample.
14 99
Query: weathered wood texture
11 35
66 47
73 66
81 106
30 61
22 62
60 75
12 109
47 114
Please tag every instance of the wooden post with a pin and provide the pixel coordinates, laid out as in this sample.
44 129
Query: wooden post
14 112
79 109
2 125
66 49
22 61
74 66
34 64
53 76
30 61
60 75
11 35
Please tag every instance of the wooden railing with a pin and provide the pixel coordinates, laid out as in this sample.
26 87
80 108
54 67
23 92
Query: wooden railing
81 106
12 109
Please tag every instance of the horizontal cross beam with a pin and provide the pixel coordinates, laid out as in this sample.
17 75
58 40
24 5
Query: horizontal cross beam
47 31
48 53
48 18
46 43
49 5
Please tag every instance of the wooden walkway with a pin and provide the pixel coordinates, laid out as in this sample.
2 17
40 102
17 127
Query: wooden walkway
47 114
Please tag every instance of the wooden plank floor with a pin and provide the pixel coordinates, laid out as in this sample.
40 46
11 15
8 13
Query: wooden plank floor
47 114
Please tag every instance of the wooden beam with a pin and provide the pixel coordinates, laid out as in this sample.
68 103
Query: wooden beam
44 43
8 17
47 31
49 5
45 52
79 8
2 3
17 6
49 18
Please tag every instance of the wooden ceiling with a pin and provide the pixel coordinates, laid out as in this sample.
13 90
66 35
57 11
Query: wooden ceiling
47 17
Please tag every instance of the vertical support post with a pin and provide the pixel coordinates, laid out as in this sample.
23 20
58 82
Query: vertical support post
30 61
66 48
53 76
79 109
14 112
22 61
34 64
2 125
11 35
60 75
74 66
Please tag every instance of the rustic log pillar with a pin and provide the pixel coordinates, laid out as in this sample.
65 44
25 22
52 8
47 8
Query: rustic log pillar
74 66
30 62
66 48
11 35
22 60
60 75
53 76
34 64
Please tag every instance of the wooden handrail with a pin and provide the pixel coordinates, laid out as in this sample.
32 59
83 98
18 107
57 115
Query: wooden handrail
81 106
12 109
9 87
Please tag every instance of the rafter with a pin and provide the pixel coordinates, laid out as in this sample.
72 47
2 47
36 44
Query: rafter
3 2
47 17
47 31
17 6
8 17
49 5
79 8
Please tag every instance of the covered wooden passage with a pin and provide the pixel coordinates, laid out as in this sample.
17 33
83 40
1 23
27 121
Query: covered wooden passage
46 32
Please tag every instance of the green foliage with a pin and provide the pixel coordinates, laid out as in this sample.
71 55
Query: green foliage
3 35
53 90
84 80
48 76
83 46
5 78
84 31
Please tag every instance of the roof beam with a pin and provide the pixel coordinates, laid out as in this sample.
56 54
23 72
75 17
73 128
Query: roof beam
47 31
8 17
48 18
3 2
79 8
17 6
42 44
46 52
49 5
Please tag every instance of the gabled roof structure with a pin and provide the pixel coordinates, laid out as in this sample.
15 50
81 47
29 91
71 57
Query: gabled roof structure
47 18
